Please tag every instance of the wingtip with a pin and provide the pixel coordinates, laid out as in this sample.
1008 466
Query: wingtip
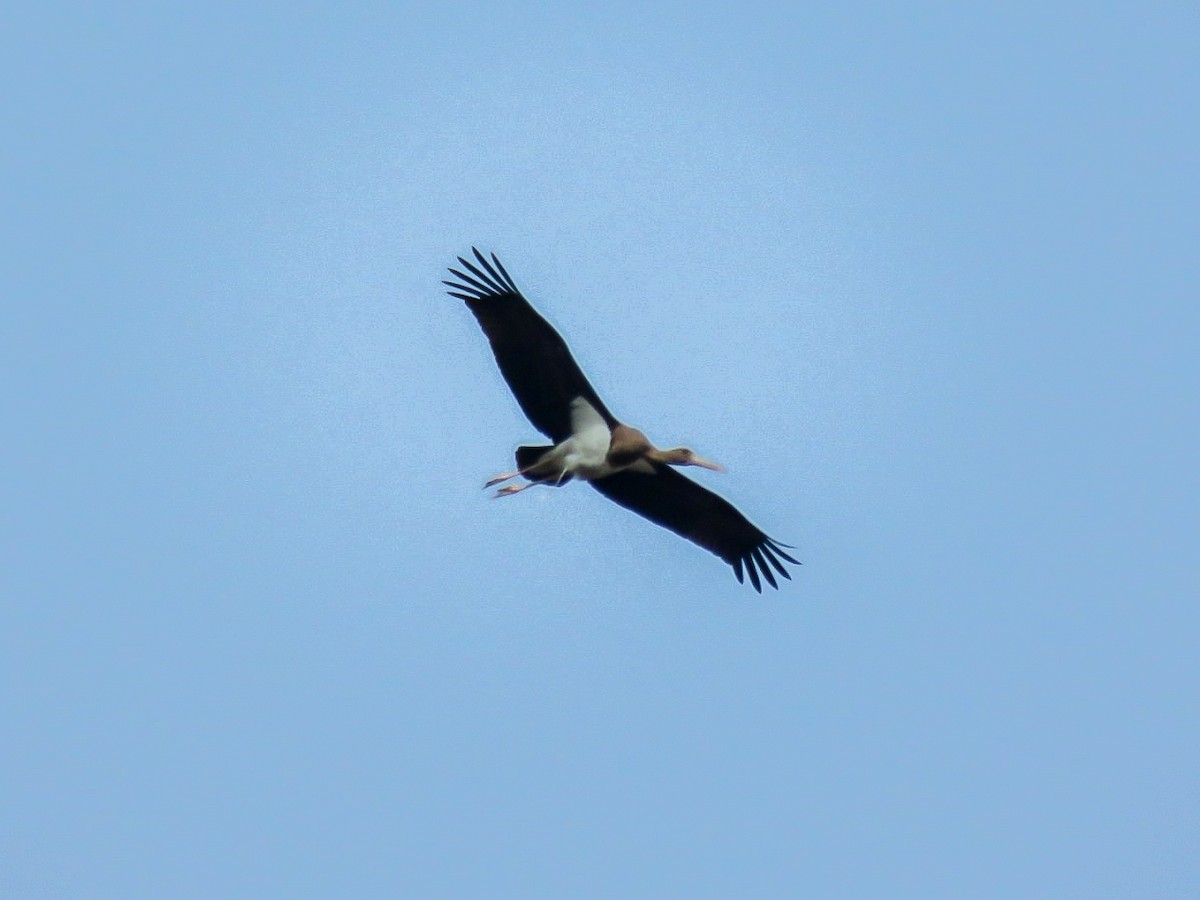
769 555
753 573
776 546
504 272
765 569
490 276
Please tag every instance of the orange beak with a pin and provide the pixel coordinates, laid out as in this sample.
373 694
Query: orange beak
707 464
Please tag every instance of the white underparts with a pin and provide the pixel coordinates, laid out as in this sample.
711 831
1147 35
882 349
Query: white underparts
585 453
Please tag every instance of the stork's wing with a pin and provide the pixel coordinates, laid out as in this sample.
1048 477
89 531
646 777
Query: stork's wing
533 358
696 513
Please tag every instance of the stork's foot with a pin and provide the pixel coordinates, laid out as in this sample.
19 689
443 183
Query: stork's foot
504 476
512 489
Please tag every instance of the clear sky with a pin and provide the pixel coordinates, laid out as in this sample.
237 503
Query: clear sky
922 276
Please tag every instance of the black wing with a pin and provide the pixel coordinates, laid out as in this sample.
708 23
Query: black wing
533 358
696 513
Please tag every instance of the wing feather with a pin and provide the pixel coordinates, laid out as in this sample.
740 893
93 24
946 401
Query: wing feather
533 358
679 504
774 560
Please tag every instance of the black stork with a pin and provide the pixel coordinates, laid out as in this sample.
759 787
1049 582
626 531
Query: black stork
590 443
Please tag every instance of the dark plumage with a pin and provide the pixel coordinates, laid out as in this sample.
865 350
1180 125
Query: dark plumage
677 503
533 357
592 444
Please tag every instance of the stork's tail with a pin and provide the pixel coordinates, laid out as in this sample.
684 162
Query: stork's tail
528 458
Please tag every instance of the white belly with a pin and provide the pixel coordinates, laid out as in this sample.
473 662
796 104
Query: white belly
584 454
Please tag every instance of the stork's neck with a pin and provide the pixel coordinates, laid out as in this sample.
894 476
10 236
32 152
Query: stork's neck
627 445
678 456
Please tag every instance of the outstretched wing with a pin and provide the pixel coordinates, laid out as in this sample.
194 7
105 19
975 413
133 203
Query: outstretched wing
533 358
676 502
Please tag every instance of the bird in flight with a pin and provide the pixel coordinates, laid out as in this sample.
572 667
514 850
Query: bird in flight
590 443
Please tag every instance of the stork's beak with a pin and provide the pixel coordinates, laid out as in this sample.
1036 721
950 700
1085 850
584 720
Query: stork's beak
707 464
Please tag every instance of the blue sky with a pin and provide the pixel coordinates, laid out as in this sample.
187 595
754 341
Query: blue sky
922 278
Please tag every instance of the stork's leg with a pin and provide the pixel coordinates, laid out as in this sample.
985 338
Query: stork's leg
513 489
504 476
536 472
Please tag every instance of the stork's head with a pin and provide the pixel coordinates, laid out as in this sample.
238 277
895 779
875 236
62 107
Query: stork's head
683 456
